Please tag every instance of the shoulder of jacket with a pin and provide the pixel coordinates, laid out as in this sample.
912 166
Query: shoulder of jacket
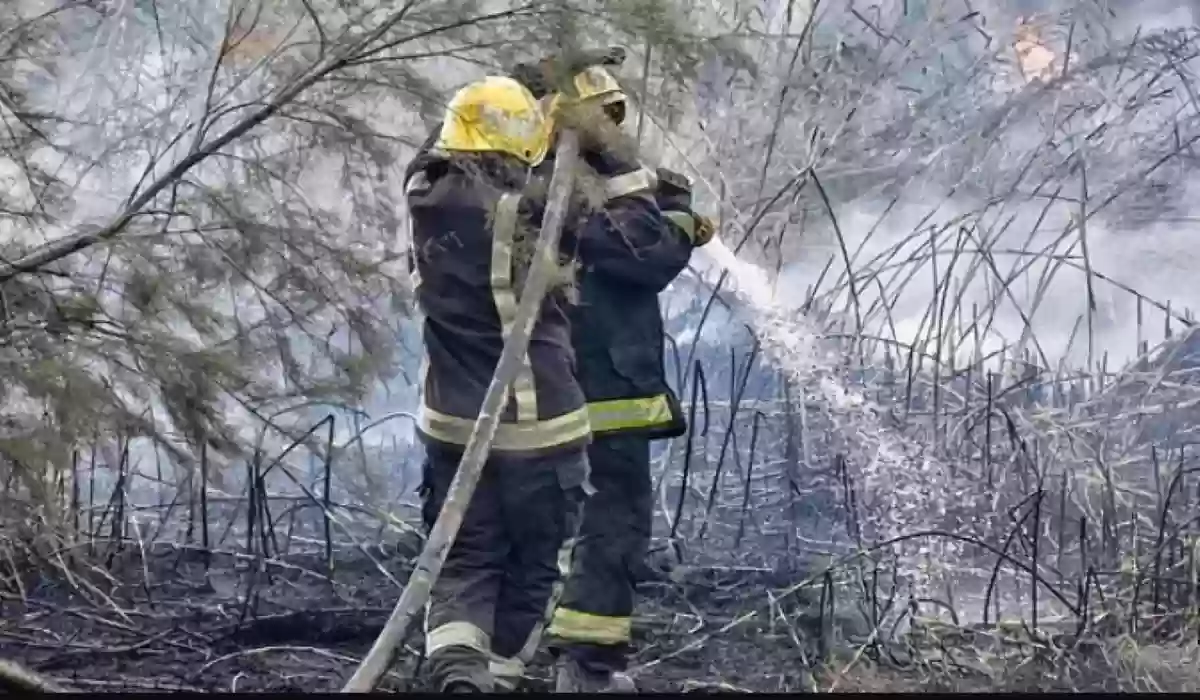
427 170
639 183
418 183
435 187
456 191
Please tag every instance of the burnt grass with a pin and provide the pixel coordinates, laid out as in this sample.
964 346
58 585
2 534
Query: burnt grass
179 620
186 622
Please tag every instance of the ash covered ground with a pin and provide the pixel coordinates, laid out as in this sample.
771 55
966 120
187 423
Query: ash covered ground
178 619
237 623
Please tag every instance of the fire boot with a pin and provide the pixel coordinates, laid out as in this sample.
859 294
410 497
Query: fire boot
459 669
575 677
623 683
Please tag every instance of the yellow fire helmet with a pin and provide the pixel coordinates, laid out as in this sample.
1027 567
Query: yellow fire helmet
596 83
593 84
496 115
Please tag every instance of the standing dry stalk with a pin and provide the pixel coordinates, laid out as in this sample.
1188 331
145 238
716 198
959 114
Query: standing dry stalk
441 537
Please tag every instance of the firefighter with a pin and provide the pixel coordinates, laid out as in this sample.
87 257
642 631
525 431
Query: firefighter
470 215
629 251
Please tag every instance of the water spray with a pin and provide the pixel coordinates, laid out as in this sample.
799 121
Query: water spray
908 488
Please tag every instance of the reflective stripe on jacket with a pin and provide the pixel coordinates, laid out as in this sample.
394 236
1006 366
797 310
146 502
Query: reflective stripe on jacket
471 241
576 626
628 252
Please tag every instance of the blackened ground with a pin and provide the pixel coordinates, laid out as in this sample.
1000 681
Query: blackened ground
177 622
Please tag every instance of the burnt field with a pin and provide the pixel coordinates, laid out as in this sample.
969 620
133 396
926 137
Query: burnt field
956 451
240 623
772 569
782 562
283 624
731 602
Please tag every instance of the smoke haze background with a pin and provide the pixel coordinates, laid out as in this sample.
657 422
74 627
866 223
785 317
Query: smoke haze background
943 169
918 127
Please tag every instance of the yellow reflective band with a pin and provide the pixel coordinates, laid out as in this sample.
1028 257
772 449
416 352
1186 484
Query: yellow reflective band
534 435
506 669
575 626
504 231
639 180
423 371
414 276
684 221
457 634
419 181
414 260
565 554
529 649
627 414
525 391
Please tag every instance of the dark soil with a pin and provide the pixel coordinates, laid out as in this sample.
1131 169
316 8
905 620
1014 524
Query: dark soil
232 622
178 622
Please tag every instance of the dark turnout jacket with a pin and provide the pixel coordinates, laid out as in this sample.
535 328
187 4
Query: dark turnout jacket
472 238
629 251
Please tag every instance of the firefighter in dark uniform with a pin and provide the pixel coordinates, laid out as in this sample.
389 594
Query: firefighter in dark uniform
617 332
470 213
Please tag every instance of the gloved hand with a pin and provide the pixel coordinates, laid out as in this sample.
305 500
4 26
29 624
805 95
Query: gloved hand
706 230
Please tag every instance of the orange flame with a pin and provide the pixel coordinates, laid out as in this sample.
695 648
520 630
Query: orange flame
251 46
1035 60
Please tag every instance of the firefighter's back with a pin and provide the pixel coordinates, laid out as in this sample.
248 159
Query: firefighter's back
452 244
473 232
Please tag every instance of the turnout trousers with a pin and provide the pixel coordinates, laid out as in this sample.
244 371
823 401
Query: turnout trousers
501 577
592 624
